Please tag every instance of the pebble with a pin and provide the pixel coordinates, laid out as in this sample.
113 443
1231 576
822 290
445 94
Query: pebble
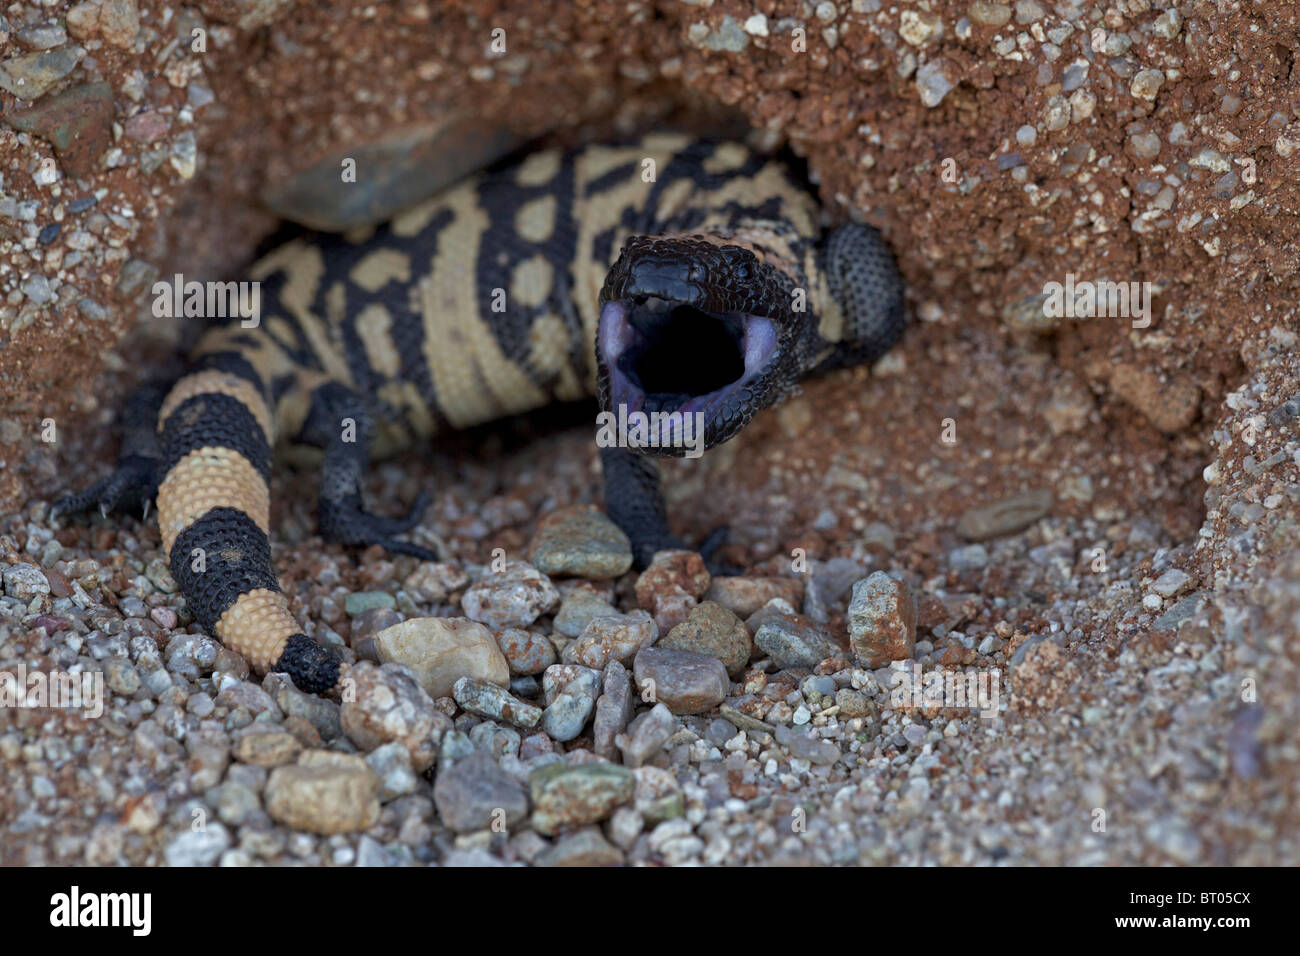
571 796
490 700
687 683
587 847
25 581
672 585
117 21
526 652
646 735
1146 84
828 582
325 792
391 763
1170 406
474 793
580 541
989 14
853 703
385 704
1172 583
266 746
613 637
613 709
31 75
1008 516
744 596
792 640
882 620
565 717
935 79
578 609
441 650
804 746
362 601
198 847
713 630
513 597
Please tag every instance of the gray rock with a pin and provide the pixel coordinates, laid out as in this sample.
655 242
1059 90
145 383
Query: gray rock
687 683
25 581
578 609
474 793
613 709
646 735
489 700
392 765
798 744
566 716
198 847
612 637
794 641
527 653
31 75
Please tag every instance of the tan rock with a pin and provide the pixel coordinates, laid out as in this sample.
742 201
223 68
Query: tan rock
441 650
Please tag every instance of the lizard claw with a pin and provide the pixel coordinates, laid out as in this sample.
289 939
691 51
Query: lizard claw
131 484
347 522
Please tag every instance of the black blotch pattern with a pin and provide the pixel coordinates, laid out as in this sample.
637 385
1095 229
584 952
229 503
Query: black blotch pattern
236 560
220 421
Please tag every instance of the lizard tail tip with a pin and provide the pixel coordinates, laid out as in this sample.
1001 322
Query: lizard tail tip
312 668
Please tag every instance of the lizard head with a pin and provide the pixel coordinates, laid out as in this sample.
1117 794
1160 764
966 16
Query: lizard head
698 326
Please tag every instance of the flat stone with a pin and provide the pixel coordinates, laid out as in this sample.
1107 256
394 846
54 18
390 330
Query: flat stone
76 122
385 704
1008 516
489 700
587 847
474 793
582 542
882 620
686 683
613 709
515 596
31 75
570 679
792 640
1172 583
391 763
394 171
325 792
571 796
441 650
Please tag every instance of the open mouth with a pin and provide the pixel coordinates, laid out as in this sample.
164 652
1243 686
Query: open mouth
666 356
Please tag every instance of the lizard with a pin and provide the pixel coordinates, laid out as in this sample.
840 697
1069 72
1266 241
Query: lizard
494 298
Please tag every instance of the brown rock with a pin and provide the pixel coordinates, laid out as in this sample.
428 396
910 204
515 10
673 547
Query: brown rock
672 585
882 620
1169 406
744 596
325 792
713 630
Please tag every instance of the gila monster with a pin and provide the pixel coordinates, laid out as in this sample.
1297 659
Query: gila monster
485 302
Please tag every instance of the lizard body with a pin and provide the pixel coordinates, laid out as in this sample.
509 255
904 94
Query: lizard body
495 298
